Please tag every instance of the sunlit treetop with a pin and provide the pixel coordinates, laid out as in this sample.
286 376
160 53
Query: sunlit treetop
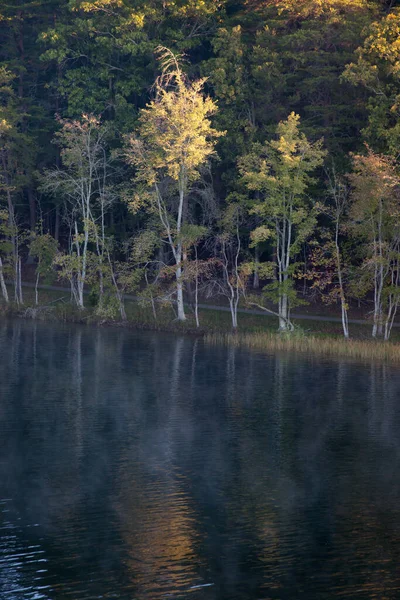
383 41
313 8
138 10
176 134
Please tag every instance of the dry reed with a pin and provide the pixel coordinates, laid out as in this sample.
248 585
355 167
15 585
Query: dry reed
266 341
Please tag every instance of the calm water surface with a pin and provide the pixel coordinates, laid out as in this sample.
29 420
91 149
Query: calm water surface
145 466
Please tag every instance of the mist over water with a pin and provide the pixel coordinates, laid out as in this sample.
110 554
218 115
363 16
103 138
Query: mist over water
148 466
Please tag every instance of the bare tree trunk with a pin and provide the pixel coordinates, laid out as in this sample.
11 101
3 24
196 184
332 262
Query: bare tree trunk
179 284
81 276
345 320
283 313
233 313
394 298
16 281
19 280
36 290
179 294
3 283
377 324
284 242
196 292
379 282
178 252
233 288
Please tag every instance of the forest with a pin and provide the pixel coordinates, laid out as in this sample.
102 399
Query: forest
238 152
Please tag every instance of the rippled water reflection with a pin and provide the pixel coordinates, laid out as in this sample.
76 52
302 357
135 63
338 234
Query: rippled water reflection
145 466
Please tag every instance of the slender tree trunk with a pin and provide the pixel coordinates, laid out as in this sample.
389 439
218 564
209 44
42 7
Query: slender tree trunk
179 284
284 235
393 300
345 320
234 289
19 280
379 277
377 324
179 293
196 292
283 313
178 257
233 313
3 283
36 289
16 281
82 272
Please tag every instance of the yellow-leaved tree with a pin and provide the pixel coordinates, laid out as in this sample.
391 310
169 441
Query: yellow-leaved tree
175 139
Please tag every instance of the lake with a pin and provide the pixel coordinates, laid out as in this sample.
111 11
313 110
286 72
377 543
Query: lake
149 466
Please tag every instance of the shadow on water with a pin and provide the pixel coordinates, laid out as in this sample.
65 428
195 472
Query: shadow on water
148 466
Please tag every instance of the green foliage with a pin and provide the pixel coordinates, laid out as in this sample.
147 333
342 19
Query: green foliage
162 207
279 173
175 133
377 69
44 248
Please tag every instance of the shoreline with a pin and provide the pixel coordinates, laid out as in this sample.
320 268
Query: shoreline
250 335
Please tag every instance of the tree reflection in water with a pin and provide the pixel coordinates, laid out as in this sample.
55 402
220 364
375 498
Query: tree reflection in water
141 465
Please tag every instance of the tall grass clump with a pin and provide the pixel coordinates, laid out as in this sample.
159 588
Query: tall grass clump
267 341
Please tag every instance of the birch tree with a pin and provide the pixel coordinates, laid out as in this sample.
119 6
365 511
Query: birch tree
82 181
15 160
376 217
339 193
174 140
5 249
279 174
43 247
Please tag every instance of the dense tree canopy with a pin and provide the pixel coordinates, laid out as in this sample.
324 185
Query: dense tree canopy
260 103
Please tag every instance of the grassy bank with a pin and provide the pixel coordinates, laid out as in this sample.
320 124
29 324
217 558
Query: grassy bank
257 332
266 341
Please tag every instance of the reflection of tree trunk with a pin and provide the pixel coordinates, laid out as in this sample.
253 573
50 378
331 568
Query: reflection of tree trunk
78 386
372 397
280 376
193 371
176 370
231 371
34 344
341 381
15 352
